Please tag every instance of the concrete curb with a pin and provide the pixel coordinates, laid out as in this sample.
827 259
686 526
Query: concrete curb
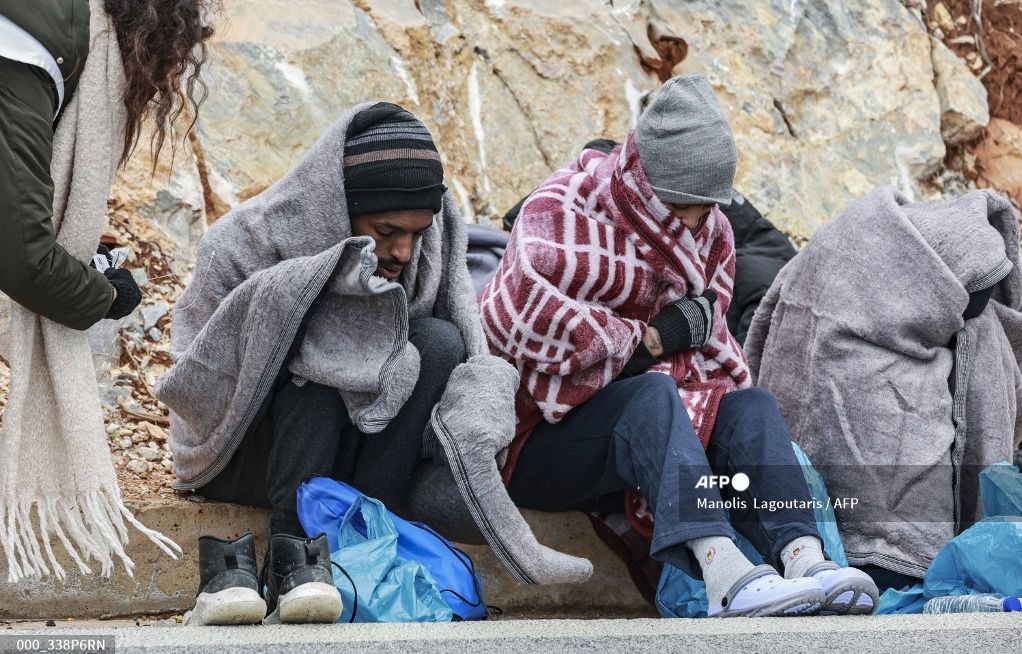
162 585
902 633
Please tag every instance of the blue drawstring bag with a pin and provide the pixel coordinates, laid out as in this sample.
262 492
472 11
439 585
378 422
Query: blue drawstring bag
323 504
375 583
982 559
679 595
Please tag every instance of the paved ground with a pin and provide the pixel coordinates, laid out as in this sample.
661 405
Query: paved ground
899 634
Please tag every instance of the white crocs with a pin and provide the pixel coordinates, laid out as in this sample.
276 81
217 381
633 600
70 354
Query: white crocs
763 592
849 591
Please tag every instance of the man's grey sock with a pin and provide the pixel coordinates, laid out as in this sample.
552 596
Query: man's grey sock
801 554
722 564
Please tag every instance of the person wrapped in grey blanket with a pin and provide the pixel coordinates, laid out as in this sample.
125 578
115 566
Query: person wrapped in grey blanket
331 329
892 344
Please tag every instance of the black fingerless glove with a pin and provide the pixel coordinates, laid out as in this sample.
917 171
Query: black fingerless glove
685 323
128 293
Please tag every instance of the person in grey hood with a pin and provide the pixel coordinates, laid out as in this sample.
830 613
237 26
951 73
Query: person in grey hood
892 342
331 330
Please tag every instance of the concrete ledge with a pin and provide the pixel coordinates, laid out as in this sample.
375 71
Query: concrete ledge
162 585
910 633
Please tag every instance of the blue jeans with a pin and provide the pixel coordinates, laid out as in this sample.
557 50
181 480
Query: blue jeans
636 433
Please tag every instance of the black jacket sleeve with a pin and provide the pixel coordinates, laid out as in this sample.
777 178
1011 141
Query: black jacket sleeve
34 271
761 251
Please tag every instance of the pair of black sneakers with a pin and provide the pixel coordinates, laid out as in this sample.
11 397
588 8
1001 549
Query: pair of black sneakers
296 584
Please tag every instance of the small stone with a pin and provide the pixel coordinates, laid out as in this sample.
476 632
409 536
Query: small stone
198 499
113 396
152 313
158 433
138 438
125 443
943 16
124 431
138 467
168 465
149 453
140 276
155 335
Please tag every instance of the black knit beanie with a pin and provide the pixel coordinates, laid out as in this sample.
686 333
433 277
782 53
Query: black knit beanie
390 163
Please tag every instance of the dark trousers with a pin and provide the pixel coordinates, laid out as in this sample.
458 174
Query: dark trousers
636 433
306 432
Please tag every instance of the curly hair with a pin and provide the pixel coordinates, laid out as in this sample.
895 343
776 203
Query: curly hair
163 45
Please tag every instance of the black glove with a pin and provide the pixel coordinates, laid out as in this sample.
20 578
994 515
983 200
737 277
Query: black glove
128 293
685 323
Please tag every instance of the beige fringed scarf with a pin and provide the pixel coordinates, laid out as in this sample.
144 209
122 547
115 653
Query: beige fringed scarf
56 476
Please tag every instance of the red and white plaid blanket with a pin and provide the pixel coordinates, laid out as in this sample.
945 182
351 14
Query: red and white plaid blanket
593 256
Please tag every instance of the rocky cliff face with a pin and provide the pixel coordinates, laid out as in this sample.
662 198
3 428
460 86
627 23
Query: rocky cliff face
827 99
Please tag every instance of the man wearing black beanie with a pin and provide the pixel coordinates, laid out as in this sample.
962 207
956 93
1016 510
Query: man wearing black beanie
393 188
331 327
393 182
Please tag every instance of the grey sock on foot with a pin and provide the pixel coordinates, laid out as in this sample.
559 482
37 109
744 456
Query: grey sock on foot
722 564
801 554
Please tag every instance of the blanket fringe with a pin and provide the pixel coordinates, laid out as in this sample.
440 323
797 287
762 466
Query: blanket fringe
89 526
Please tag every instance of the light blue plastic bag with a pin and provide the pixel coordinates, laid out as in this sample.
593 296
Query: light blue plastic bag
389 588
985 558
322 505
1000 486
680 596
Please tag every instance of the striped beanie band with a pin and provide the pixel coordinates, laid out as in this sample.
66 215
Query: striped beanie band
391 163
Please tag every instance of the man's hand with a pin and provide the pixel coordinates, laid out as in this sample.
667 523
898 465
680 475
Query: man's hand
652 341
683 324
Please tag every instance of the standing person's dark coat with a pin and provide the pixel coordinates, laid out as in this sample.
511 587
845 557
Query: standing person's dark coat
35 271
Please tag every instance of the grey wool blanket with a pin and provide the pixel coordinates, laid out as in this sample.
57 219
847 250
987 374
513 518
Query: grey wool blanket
288 257
894 395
